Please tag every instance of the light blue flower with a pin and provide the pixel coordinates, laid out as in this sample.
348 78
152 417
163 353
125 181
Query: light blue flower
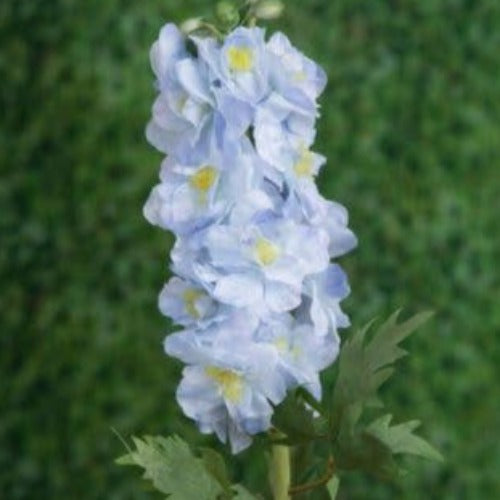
281 129
262 261
307 205
184 121
189 256
201 394
190 197
165 52
302 354
190 114
240 65
230 381
300 173
185 302
296 77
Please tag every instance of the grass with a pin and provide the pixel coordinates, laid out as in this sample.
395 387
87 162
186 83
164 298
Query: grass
410 124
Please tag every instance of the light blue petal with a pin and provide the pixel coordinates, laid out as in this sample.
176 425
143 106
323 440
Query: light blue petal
169 47
239 439
238 115
335 282
239 290
280 297
319 316
191 77
198 396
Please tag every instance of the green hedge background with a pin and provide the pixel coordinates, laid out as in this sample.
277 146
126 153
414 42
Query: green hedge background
411 126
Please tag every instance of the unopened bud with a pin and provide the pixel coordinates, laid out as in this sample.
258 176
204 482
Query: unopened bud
269 9
190 25
227 13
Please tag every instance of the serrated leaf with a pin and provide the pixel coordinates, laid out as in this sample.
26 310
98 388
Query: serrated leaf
125 460
364 452
400 438
169 464
365 365
216 466
383 348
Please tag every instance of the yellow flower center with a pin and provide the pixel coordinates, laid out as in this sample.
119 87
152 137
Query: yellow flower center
204 179
229 382
181 102
296 352
281 344
190 297
240 58
304 165
299 76
266 252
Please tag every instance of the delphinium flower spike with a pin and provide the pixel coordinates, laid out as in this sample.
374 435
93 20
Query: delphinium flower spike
255 291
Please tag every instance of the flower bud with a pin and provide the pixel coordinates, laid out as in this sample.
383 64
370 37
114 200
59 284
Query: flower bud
227 13
191 24
269 9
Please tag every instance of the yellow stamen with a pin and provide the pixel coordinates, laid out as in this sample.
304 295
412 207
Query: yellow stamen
304 165
190 297
204 179
299 76
240 58
266 252
296 352
229 382
281 344
181 102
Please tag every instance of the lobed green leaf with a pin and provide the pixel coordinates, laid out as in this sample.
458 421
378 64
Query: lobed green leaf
401 439
364 365
172 468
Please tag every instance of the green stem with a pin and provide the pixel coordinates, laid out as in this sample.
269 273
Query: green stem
212 29
247 16
330 472
279 471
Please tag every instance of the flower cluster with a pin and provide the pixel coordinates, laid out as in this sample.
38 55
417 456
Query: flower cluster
254 287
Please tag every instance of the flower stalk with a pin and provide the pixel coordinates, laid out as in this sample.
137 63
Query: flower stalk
279 470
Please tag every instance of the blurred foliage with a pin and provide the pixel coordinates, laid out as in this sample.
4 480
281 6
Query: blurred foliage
411 127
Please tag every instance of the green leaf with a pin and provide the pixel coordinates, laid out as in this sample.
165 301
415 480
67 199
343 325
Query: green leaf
293 419
365 365
383 349
333 487
215 465
362 451
242 493
400 438
169 464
